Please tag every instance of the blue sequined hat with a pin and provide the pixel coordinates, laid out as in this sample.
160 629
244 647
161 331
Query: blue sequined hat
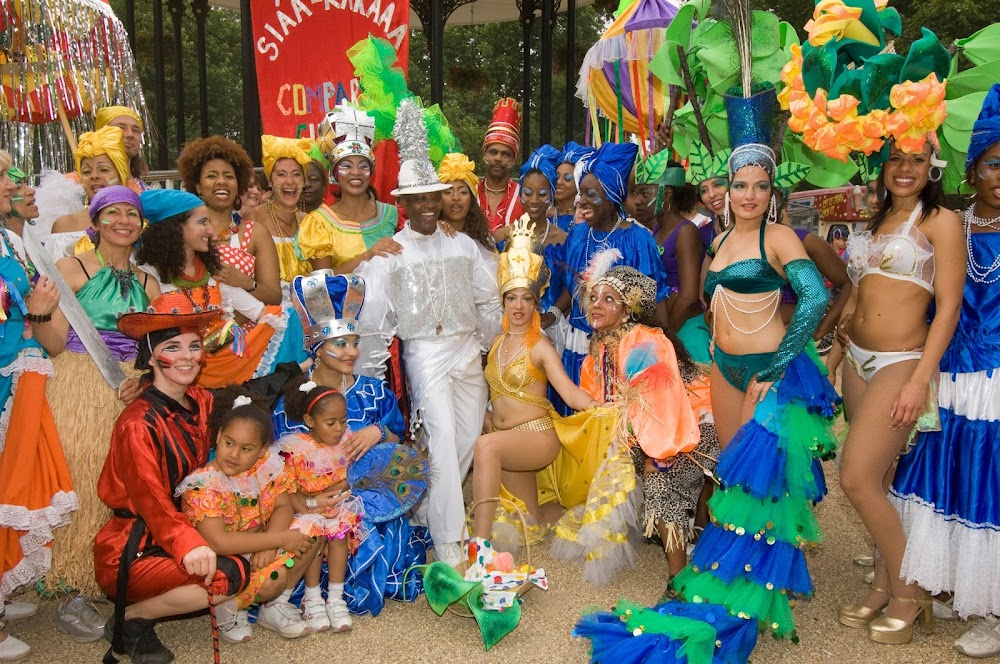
612 165
986 131
328 305
544 160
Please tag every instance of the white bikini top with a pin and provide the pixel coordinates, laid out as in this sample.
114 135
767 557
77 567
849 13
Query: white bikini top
905 255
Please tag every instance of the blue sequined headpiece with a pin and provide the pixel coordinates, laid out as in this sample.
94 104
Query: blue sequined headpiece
544 160
752 154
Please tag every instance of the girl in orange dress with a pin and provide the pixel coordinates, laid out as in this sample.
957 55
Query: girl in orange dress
319 465
239 502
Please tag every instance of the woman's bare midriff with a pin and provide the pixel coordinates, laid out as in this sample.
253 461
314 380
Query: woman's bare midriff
734 342
891 315
509 413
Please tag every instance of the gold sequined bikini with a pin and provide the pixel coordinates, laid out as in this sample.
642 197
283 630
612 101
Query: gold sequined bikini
516 376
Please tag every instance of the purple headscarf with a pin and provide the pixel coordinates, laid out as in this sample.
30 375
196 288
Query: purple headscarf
111 195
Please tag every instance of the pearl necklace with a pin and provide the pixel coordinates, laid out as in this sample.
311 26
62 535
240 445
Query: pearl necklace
427 281
981 274
490 190
767 301
541 243
598 244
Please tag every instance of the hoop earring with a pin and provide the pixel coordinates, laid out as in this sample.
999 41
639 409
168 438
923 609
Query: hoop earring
935 173
725 219
772 212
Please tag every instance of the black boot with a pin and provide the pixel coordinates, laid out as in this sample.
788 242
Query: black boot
140 642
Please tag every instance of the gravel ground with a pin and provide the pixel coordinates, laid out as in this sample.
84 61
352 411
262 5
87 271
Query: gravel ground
411 632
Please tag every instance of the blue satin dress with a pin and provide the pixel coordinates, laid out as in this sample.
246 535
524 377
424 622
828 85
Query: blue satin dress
947 488
375 572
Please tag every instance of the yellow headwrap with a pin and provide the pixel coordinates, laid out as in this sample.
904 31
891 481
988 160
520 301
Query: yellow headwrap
275 148
109 141
456 167
109 113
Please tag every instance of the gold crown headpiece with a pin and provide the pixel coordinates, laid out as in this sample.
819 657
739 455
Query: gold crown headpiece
520 266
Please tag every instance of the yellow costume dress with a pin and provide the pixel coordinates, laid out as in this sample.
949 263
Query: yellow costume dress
323 234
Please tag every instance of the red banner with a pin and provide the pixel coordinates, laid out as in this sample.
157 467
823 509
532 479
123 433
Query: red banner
302 65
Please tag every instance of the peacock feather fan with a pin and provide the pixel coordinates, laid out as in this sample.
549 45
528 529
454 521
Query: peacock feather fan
390 479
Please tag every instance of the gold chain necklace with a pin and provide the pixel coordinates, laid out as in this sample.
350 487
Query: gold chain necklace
277 222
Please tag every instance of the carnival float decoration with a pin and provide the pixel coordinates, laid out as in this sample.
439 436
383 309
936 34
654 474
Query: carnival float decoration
60 60
615 79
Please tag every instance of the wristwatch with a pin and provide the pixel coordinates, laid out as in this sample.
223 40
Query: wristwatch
311 503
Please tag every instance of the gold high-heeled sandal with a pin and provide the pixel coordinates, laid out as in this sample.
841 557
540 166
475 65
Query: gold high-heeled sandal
859 615
896 631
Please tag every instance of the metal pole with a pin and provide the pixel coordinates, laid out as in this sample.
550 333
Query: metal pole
570 66
161 86
545 124
200 9
129 21
176 8
437 52
527 18
251 101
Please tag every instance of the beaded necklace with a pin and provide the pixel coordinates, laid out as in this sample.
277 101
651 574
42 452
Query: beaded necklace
981 274
187 283
123 277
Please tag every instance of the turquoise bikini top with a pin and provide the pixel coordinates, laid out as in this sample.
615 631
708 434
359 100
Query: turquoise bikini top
751 275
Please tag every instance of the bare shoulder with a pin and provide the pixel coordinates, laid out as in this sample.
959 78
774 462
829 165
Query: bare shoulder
68 223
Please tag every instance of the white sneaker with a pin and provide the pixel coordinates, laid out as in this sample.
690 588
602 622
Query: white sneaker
12 649
449 552
943 610
983 640
281 617
340 617
314 613
18 610
234 627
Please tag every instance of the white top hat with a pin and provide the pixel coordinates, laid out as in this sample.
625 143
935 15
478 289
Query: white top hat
417 176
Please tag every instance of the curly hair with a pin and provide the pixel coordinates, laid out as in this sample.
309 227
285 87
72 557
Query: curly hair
297 402
225 413
477 226
162 246
199 151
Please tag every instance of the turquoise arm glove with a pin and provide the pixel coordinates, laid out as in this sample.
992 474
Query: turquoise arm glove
810 288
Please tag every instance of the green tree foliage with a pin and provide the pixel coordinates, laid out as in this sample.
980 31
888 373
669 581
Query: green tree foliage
484 63
225 72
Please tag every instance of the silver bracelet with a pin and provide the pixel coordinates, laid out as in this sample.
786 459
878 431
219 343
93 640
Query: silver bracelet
312 503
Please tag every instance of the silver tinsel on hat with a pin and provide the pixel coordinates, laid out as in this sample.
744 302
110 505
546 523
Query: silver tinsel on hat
69 53
411 135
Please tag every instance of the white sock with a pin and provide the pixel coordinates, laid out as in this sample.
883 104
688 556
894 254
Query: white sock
283 597
334 591
313 592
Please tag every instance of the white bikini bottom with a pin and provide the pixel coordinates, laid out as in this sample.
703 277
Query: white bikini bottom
868 362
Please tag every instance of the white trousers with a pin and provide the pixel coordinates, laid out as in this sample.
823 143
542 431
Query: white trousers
452 415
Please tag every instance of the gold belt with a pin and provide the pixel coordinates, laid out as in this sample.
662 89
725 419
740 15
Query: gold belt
539 424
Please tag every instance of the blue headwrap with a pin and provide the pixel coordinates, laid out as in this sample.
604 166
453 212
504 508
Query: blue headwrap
986 131
544 160
327 305
574 152
160 204
612 165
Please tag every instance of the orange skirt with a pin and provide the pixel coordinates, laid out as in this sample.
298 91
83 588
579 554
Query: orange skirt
36 494
225 367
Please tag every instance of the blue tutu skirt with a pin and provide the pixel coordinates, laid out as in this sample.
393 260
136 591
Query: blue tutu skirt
749 562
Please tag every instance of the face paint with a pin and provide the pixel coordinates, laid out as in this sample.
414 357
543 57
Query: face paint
106 221
163 362
983 171
329 353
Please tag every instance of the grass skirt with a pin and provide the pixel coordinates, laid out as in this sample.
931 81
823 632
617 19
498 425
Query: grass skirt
85 409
